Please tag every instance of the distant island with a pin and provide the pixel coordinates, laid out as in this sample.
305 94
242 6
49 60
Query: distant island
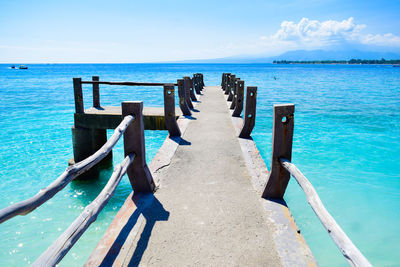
351 61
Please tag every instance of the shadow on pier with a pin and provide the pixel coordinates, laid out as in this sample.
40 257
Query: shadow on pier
152 211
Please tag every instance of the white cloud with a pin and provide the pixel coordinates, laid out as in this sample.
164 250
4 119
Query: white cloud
311 34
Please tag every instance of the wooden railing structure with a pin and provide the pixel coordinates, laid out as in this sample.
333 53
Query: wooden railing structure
89 132
281 166
134 164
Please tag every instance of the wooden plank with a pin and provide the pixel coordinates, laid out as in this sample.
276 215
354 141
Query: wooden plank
250 112
96 92
56 252
342 241
28 205
78 96
169 110
282 138
134 142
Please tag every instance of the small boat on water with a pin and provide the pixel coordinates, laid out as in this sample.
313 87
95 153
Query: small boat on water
396 65
23 67
13 66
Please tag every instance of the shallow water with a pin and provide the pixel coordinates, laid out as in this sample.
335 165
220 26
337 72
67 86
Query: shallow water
346 141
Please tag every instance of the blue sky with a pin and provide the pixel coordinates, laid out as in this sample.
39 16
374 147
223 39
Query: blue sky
148 31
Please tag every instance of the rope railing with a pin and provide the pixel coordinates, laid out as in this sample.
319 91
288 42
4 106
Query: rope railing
342 241
55 253
26 206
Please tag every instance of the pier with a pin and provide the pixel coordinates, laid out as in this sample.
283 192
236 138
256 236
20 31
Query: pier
207 198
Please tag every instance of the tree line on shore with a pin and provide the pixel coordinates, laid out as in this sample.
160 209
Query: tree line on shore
351 61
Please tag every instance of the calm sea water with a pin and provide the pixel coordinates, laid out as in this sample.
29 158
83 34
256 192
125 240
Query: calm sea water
346 141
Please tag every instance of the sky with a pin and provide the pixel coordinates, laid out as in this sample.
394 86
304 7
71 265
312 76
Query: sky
129 31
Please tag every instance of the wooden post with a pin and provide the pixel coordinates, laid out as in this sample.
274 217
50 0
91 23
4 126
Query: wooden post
182 102
96 92
138 172
169 110
282 138
239 99
186 86
192 94
228 83
196 84
201 78
234 92
199 81
249 113
231 87
78 95
225 81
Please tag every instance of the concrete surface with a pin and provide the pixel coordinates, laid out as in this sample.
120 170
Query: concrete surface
206 212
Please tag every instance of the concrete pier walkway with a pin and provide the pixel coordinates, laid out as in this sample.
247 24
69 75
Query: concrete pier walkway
205 211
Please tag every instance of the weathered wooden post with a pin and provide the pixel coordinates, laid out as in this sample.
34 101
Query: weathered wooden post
282 139
138 172
249 113
99 136
169 110
228 83
78 95
201 78
192 94
239 99
182 99
225 81
199 82
87 141
196 84
234 92
186 87
96 92
231 87
81 137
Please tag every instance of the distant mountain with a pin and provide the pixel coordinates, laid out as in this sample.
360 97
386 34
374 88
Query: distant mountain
302 55
335 55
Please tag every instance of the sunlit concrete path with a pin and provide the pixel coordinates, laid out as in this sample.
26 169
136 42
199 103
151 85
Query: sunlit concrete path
205 211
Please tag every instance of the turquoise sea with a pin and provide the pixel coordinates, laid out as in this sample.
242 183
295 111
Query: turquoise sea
346 141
